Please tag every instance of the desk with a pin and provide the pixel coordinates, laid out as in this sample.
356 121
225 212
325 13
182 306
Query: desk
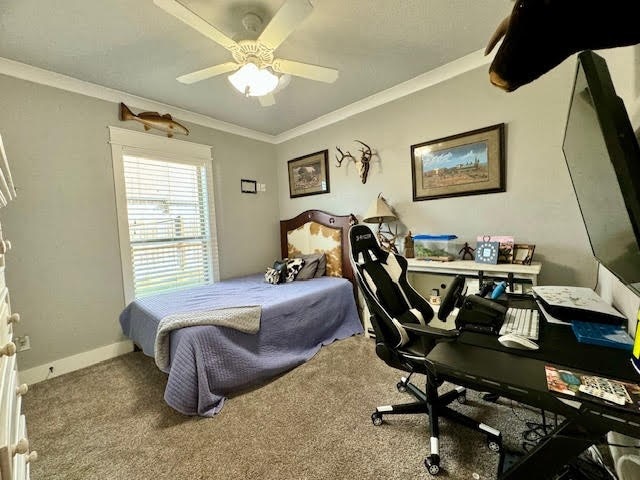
480 362
509 271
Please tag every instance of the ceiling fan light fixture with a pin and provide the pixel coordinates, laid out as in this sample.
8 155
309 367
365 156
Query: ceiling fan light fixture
252 81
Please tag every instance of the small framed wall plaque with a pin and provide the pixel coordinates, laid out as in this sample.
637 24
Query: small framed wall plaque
487 252
248 186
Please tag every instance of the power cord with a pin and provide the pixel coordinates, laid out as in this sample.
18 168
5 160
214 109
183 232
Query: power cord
535 431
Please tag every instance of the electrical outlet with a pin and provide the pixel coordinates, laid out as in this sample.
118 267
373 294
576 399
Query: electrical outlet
23 343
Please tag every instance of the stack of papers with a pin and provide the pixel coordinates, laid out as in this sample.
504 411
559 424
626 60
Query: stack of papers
562 304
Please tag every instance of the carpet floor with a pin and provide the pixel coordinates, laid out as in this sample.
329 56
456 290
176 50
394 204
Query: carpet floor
109 421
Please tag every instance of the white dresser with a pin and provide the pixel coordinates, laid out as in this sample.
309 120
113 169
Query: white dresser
15 454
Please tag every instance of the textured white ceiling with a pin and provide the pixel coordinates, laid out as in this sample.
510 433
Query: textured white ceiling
135 47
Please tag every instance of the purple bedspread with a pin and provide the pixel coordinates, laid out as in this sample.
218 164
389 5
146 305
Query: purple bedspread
210 362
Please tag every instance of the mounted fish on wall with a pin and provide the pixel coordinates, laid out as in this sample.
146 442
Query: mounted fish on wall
153 120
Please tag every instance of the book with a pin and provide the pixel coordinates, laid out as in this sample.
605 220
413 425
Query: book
572 382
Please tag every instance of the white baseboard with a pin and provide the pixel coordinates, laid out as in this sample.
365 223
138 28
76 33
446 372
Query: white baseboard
74 362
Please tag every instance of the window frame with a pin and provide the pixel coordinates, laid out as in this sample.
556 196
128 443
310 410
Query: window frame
128 142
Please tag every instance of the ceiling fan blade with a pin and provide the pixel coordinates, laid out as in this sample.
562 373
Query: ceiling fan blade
175 8
267 100
306 70
284 22
209 72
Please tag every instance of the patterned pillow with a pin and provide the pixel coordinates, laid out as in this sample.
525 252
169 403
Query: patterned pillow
272 276
294 265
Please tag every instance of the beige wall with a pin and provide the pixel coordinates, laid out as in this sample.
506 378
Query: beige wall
64 270
539 205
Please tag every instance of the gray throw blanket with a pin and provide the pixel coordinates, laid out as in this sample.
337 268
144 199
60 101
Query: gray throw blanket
245 319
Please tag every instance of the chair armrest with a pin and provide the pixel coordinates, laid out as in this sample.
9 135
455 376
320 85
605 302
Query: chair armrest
427 331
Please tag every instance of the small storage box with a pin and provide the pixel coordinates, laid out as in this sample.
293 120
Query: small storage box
443 248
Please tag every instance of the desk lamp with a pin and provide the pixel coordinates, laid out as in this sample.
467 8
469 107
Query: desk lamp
380 212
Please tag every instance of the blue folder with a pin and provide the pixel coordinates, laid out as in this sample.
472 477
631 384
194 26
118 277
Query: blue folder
602 334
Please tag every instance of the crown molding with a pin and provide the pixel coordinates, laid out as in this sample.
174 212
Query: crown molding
441 74
438 75
70 84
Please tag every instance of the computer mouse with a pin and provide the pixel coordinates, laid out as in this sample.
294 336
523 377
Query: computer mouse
511 340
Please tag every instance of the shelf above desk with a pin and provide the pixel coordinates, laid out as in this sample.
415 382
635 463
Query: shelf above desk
509 271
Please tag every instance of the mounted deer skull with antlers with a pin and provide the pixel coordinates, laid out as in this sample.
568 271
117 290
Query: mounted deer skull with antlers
363 164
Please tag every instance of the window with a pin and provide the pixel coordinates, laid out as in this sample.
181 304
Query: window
165 212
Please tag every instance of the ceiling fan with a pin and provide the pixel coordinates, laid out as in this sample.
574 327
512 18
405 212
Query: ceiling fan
254 59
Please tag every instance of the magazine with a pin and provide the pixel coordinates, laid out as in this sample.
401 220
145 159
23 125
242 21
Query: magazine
569 382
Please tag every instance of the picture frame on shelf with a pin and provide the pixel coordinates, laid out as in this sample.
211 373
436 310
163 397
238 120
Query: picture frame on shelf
309 174
523 253
469 163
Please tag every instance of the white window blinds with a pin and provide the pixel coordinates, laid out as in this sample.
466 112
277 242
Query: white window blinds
169 226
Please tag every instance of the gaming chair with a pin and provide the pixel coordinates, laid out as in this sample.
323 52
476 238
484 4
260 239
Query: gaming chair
400 318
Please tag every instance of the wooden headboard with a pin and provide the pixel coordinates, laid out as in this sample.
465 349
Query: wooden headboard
315 231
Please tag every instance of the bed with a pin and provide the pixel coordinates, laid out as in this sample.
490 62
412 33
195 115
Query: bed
206 363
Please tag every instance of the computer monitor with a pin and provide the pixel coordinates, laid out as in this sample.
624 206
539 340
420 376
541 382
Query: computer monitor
603 158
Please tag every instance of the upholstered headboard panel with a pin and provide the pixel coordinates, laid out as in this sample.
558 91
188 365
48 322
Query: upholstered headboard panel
315 231
313 237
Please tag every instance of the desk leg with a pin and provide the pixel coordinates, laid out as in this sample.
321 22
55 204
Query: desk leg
510 281
566 442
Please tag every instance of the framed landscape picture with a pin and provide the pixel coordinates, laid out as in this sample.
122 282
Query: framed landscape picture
469 163
309 175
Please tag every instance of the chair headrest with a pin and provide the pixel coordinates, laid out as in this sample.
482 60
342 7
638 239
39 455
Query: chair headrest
363 240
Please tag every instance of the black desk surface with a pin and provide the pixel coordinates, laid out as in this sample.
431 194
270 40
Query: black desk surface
482 359
559 346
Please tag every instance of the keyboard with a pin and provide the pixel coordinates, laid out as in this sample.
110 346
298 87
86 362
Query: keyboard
521 321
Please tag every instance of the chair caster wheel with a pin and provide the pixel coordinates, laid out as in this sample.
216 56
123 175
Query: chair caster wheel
494 444
432 464
376 418
462 398
401 386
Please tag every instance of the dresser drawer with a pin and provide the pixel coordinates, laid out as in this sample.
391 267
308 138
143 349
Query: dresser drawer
20 468
6 327
2 281
19 441
7 364
7 399
14 446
